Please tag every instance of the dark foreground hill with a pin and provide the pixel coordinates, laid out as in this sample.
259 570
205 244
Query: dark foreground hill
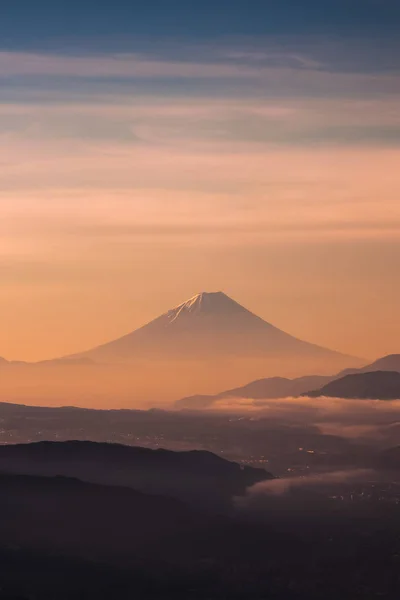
58 514
200 478
65 539
378 385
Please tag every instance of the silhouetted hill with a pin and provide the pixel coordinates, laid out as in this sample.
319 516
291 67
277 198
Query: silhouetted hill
391 362
201 478
378 385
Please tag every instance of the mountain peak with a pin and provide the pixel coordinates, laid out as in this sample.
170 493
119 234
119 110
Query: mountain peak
206 303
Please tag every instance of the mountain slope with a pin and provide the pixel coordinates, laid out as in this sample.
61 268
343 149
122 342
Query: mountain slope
377 385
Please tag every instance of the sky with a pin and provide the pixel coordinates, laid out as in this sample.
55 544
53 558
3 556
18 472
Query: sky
153 150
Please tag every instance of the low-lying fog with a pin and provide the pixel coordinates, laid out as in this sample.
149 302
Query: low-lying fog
367 419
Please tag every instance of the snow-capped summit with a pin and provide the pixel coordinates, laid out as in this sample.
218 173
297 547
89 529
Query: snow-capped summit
207 304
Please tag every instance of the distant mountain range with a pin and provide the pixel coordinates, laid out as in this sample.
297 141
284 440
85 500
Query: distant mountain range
198 477
56 362
269 388
312 385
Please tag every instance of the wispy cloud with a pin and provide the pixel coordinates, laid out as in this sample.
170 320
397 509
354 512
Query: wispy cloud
282 72
114 66
274 162
258 496
278 487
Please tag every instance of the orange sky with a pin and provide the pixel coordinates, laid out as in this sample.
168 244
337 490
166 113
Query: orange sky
114 210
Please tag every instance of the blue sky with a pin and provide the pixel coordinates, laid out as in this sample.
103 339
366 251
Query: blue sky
27 23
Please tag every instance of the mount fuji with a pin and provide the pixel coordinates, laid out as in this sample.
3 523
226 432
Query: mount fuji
210 325
208 343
